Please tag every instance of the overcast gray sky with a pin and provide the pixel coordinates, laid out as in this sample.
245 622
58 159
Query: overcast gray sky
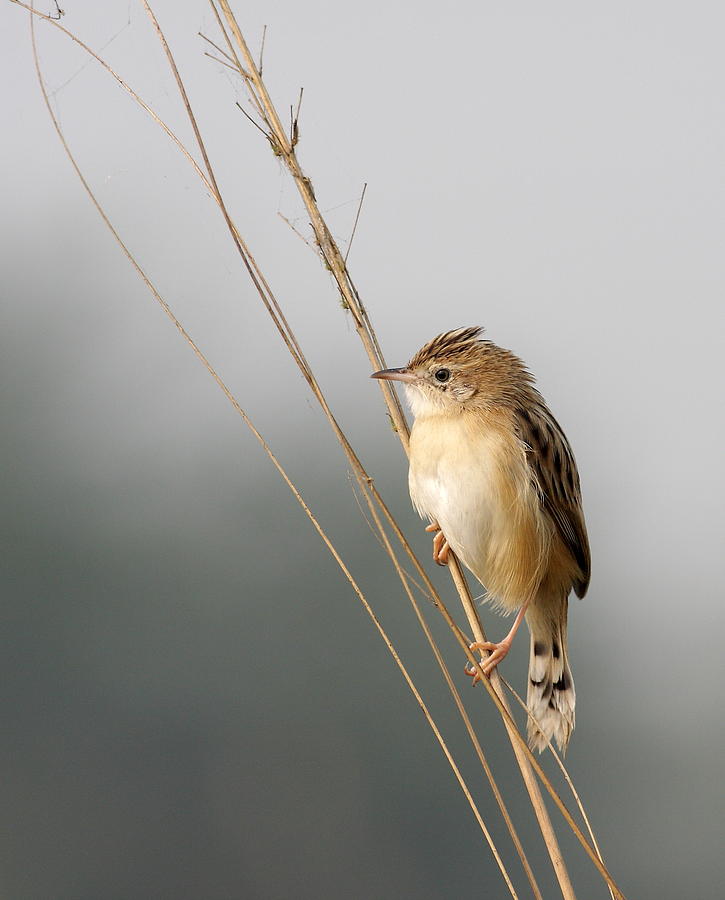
176 720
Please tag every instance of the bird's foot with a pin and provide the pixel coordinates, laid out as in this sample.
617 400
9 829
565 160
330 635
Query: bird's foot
496 652
441 548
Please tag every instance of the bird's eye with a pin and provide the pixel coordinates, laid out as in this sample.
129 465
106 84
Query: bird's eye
442 375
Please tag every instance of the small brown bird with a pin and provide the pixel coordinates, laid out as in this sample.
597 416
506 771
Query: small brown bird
492 470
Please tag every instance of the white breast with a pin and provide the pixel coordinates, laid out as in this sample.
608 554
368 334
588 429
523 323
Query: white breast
454 479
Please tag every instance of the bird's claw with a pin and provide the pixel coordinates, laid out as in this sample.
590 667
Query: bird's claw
441 547
496 652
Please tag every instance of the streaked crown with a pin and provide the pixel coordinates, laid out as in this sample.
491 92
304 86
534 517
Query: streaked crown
464 345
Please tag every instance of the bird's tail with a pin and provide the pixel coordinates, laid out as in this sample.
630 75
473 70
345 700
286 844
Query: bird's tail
551 697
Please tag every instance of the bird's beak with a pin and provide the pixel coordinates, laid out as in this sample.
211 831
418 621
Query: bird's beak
395 375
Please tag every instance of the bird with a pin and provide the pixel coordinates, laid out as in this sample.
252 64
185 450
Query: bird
494 474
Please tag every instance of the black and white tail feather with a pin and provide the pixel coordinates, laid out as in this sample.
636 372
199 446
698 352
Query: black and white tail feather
551 697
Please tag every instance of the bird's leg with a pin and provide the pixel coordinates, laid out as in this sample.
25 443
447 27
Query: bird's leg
496 651
440 545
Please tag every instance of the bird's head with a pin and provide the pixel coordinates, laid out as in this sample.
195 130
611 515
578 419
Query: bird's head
459 370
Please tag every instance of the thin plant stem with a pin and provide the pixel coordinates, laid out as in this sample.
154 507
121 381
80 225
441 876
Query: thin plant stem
369 481
524 756
474 621
326 243
336 262
278 466
359 472
564 771
261 49
252 77
221 62
354 226
218 49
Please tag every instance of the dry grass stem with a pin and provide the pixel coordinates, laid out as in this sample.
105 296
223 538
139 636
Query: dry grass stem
295 230
336 263
328 543
493 683
363 479
218 49
327 246
225 64
261 49
354 225
284 146
565 773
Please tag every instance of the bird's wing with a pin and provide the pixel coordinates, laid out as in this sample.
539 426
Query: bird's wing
552 462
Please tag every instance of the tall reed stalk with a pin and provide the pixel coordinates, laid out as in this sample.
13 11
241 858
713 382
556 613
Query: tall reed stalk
283 144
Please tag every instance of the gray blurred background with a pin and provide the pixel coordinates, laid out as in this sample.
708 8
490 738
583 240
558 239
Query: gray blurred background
193 703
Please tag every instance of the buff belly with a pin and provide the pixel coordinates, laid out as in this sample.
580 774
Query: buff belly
471 476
